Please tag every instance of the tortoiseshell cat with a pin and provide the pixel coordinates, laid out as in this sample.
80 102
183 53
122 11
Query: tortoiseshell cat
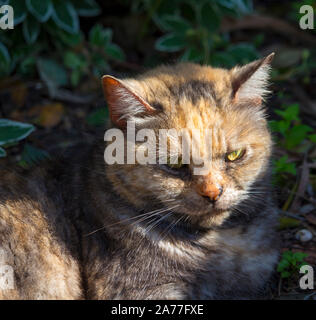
82 229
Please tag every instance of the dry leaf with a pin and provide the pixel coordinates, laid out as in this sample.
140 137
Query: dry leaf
50 115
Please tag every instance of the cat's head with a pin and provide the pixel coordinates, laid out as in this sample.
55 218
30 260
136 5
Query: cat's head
225 106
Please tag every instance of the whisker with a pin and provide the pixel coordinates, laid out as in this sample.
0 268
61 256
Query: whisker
151 226
242 212
156 212
168 230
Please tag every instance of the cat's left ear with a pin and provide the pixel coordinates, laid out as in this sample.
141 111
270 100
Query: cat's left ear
124 101
250 81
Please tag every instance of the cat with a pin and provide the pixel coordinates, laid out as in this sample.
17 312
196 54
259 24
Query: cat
80 228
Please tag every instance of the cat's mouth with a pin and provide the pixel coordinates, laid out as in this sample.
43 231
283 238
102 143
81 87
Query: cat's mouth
203 207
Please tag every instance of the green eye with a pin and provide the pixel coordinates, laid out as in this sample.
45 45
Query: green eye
235 155
177 165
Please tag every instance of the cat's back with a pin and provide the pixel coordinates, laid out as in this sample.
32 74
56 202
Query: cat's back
37 259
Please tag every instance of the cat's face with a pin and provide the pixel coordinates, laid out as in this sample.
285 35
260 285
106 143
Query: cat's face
220 111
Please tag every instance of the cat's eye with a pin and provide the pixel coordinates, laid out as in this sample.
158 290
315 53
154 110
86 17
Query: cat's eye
176 165
235 155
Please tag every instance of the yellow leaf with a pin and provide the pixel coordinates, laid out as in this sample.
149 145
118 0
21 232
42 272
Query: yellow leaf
288 222
51 115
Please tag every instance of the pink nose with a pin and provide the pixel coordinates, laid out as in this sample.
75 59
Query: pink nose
210 190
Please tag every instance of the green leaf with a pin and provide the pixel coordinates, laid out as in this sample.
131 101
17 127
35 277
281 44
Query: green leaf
290 113
75 77
98 117
288 222
52 73
235 7
174 23
69 39
283 166
296 135
65 16
40 9
5 59
279 126
32 156
243 53
100 65
99 36
226 3
31 29
300 256
170 43
27 65
77 63
287 255
244 6
283 265
192 54
12 131
285 274
114 51
222 59
87 8
2 153
210 19
20 11
73 60
312 137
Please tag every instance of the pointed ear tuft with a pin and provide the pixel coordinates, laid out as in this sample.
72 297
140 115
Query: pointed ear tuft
250 81
123 102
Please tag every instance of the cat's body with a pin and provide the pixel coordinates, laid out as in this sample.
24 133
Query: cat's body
81 229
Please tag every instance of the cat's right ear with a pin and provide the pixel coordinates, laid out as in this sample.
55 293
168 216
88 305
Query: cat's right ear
250 81
124 102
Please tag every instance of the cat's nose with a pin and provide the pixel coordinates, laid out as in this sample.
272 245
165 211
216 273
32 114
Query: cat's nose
211 191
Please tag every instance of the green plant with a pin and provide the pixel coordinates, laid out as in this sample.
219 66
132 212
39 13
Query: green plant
31 156
282 169
47 39
11 132
282 165
292 135
291 263
193 28
292 132
98 117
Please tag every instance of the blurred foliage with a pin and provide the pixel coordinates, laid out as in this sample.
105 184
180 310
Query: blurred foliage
291 131
12 132
47 39
292 135
31 156
98 117
193 28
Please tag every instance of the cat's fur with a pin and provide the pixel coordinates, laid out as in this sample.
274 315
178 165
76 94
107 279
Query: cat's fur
79 230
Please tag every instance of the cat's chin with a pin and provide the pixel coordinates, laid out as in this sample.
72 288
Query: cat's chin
214 218
205 217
